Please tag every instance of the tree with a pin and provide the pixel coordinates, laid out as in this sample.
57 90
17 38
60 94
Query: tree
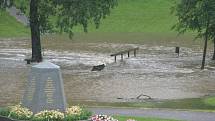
198 16
5 3
67 13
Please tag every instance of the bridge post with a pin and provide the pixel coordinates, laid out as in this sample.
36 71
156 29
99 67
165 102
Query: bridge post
135 53
121 56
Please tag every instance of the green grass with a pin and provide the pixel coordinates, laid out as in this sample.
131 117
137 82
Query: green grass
148 16
125 118
130 16
198 104
9 27
210 101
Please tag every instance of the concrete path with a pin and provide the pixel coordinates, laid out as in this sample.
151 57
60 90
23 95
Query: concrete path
13 11
159 113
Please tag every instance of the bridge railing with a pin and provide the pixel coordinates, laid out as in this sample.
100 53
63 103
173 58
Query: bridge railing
134 50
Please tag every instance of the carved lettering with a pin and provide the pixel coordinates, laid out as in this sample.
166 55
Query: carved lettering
49 90
31 89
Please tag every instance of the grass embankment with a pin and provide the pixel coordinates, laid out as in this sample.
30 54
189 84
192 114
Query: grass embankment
10 27
135 21
125 118
147 16
132 21
151 17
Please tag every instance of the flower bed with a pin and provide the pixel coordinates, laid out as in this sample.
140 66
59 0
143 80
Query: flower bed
18 113
74 113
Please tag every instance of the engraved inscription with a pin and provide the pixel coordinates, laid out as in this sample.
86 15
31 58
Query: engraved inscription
31 89
49 90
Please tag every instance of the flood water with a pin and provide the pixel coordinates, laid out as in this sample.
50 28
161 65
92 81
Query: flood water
156 71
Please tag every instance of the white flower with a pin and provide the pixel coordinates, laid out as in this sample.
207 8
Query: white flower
74 110
51 114
21 111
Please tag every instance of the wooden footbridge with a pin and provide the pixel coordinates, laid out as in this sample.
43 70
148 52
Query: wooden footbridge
134 50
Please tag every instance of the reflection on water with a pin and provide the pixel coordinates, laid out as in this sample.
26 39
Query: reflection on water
156 71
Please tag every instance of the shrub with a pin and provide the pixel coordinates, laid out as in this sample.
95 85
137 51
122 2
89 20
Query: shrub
4 112
74 110
48 115
19 112
75 113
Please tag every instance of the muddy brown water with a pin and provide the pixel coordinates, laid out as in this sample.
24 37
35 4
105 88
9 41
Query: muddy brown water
156 71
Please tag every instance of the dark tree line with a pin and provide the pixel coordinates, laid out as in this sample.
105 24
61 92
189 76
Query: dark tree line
198 16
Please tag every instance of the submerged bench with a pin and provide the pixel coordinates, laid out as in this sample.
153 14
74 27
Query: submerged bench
125 52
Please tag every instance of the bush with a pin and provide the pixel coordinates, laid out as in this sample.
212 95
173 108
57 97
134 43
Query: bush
76 113
73 113
48 115
20 113
4 112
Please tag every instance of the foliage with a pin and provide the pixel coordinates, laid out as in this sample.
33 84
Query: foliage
48 115
4 112
210 101
102 118
75 113
19 112
74 110
69 13
195 15
148 16
63 15
6 3
128 16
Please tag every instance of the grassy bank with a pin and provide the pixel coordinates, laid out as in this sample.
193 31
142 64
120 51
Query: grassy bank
148 16
124 118
10 27
129 16
198 104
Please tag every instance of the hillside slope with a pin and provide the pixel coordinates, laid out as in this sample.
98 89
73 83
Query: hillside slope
10 27
148 16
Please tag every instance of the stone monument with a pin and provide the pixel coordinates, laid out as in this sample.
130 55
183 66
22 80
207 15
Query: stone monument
45 90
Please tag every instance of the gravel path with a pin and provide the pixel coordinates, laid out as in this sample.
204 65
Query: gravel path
159 113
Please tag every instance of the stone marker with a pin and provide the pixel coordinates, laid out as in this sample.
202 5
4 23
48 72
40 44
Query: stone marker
45 89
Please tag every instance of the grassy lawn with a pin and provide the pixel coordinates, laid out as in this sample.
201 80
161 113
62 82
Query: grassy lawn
210 101
130 16
125 118
9 27
148 16
132 21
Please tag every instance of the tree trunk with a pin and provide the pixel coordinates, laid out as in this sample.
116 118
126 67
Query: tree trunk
35 32
214 50
205 46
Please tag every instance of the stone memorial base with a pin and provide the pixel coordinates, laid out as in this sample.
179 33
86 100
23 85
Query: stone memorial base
45 89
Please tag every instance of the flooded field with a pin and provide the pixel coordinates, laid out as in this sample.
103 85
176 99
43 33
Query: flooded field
156 71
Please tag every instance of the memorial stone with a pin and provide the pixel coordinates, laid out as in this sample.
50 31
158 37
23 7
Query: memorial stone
45 90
